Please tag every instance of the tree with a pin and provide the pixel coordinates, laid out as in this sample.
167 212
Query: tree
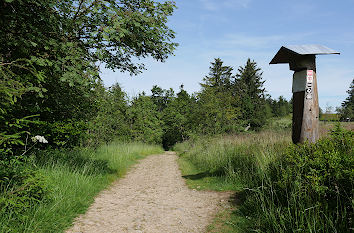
145 120
218 108
249 86
50 53
177 119
219 76
280 107
111 121
347 108
161 97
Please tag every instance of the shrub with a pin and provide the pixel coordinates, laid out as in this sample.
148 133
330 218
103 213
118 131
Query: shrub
309 188
21 185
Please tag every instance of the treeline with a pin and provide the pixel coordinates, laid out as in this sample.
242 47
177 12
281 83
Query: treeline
50 85
227 103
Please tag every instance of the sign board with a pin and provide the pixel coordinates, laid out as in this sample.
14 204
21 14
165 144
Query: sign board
299 81
309 85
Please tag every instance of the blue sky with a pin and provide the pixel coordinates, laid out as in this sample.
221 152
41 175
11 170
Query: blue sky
235 30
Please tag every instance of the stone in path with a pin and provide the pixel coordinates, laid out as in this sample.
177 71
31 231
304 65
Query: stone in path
152 197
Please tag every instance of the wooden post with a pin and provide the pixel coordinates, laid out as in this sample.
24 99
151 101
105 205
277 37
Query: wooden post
302 60
305 101
310 120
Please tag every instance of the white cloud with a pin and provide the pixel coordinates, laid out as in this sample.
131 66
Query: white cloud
209 5
214 5
260 42
246 41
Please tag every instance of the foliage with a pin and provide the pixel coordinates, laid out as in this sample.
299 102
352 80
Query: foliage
329 117
161 97
227 103
317 180
249 86
279 107
286 188
145 120
50 55
74 178
20 185
177 119
111 120
346 111
50 52
219 109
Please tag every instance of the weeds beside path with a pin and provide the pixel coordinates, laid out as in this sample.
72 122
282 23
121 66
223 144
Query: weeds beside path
152 197
74 178
279 187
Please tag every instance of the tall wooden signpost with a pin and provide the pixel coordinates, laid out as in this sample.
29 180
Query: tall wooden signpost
302 60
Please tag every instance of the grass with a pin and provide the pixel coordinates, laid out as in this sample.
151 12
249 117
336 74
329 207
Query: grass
74 179
229 163
329 117
241 163
217 157
199 180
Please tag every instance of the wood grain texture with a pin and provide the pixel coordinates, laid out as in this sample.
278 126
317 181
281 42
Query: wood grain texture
306 115
310 120
298 113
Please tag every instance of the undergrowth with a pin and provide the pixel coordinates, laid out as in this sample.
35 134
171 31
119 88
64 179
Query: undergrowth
71 179
280 187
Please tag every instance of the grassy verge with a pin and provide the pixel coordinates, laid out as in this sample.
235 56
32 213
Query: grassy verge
279 187
229 163
74 179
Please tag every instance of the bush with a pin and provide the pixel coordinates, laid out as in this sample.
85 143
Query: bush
287 188
309 188
65 134
21 185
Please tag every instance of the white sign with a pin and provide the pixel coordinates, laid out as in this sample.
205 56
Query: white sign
309 84
309 76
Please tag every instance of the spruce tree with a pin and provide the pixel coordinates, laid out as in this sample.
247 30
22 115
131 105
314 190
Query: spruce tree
249 86
219 75
218 110
347 110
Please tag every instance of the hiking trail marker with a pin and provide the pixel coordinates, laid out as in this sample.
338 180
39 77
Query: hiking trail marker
302 60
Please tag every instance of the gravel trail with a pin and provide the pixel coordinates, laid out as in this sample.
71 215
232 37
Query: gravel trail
152 197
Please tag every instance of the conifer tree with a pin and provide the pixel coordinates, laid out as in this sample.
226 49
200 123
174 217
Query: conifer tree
218 109
347 110
219 75
249 86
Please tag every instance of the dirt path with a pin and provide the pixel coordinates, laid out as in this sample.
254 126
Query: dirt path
152 197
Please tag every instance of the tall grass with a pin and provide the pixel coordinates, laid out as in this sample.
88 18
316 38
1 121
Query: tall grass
286 188
74 178
237 157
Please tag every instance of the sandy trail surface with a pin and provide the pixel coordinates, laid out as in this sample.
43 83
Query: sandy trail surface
152 197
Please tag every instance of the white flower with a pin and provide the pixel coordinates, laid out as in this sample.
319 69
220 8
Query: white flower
39 138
